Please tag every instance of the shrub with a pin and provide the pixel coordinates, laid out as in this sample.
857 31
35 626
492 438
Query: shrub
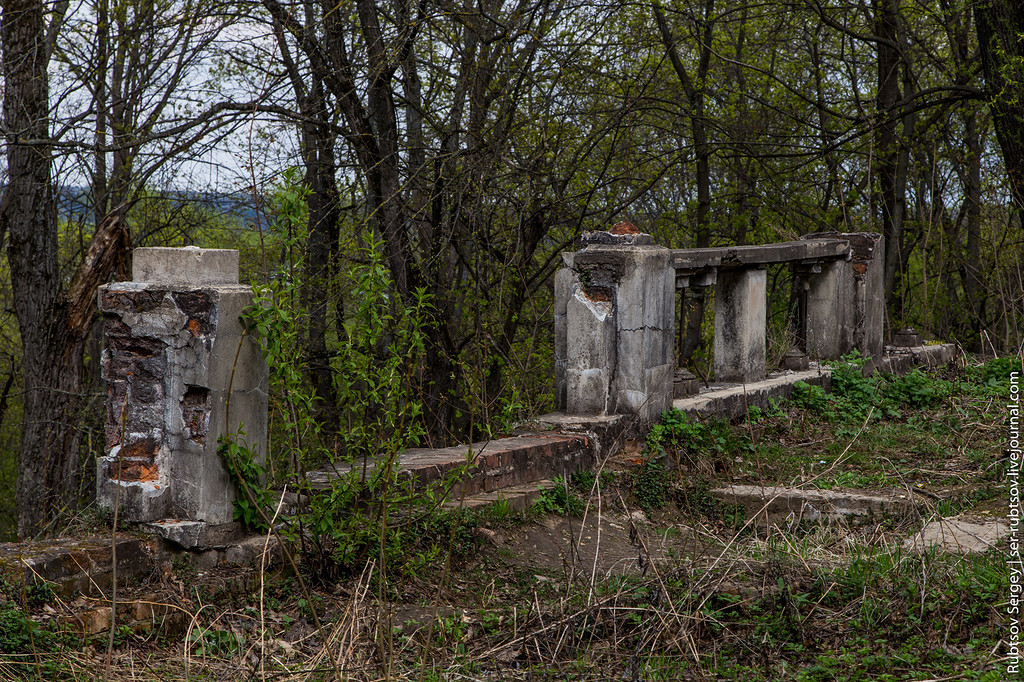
915 389
997 372
694 443
650 484
559 499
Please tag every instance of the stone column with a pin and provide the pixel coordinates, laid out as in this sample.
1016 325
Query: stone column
175 354
830 296
563 290
740 324
590 351
618 298
850 311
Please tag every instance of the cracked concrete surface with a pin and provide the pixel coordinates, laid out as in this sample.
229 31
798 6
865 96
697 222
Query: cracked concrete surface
172 349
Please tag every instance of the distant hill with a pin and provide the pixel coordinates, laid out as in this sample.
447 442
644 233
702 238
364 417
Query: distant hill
74 202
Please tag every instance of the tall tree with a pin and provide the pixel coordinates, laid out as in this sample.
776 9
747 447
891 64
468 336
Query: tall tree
467 170
123 67
53 321
1000 26
694 86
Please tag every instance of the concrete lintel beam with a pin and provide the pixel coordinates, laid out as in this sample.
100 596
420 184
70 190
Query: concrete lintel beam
698 278
747 256
807 268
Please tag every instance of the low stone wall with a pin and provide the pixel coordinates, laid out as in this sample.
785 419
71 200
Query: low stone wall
615 304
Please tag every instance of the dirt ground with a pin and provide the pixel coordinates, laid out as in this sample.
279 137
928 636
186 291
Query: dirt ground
687 589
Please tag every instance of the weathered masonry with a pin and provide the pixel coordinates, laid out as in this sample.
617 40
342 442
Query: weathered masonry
180 372
615 304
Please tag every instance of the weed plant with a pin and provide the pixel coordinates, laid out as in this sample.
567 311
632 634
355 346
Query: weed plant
854 396
560 498
25 644
689 452
366 513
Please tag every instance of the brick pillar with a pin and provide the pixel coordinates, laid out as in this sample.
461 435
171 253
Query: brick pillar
618 302
174 344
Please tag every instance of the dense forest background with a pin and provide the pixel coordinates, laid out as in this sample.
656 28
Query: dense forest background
409 172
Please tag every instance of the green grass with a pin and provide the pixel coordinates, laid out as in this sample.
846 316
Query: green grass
813 602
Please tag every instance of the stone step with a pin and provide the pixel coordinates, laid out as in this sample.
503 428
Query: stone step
520 497
72 565
86 565
482 467
777 505
961 534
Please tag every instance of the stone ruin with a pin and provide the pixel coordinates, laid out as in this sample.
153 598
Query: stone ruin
615 303
180 373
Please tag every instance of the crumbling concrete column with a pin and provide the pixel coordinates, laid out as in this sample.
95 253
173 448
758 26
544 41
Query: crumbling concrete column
175 354
846 302
830 295
740 323
617 295
591 351
563 290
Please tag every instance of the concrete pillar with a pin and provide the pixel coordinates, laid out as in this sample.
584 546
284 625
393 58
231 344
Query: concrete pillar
855 289
591 351
740 324
174 353
868 263
830 297
563 290
619 298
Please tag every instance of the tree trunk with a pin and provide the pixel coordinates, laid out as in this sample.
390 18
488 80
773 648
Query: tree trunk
27 216
886 151
321 248
694 89
54 324
1000 26
971 267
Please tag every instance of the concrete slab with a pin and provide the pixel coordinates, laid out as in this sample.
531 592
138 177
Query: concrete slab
521 497
732 401
760 254
775 504
190 266
958 535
